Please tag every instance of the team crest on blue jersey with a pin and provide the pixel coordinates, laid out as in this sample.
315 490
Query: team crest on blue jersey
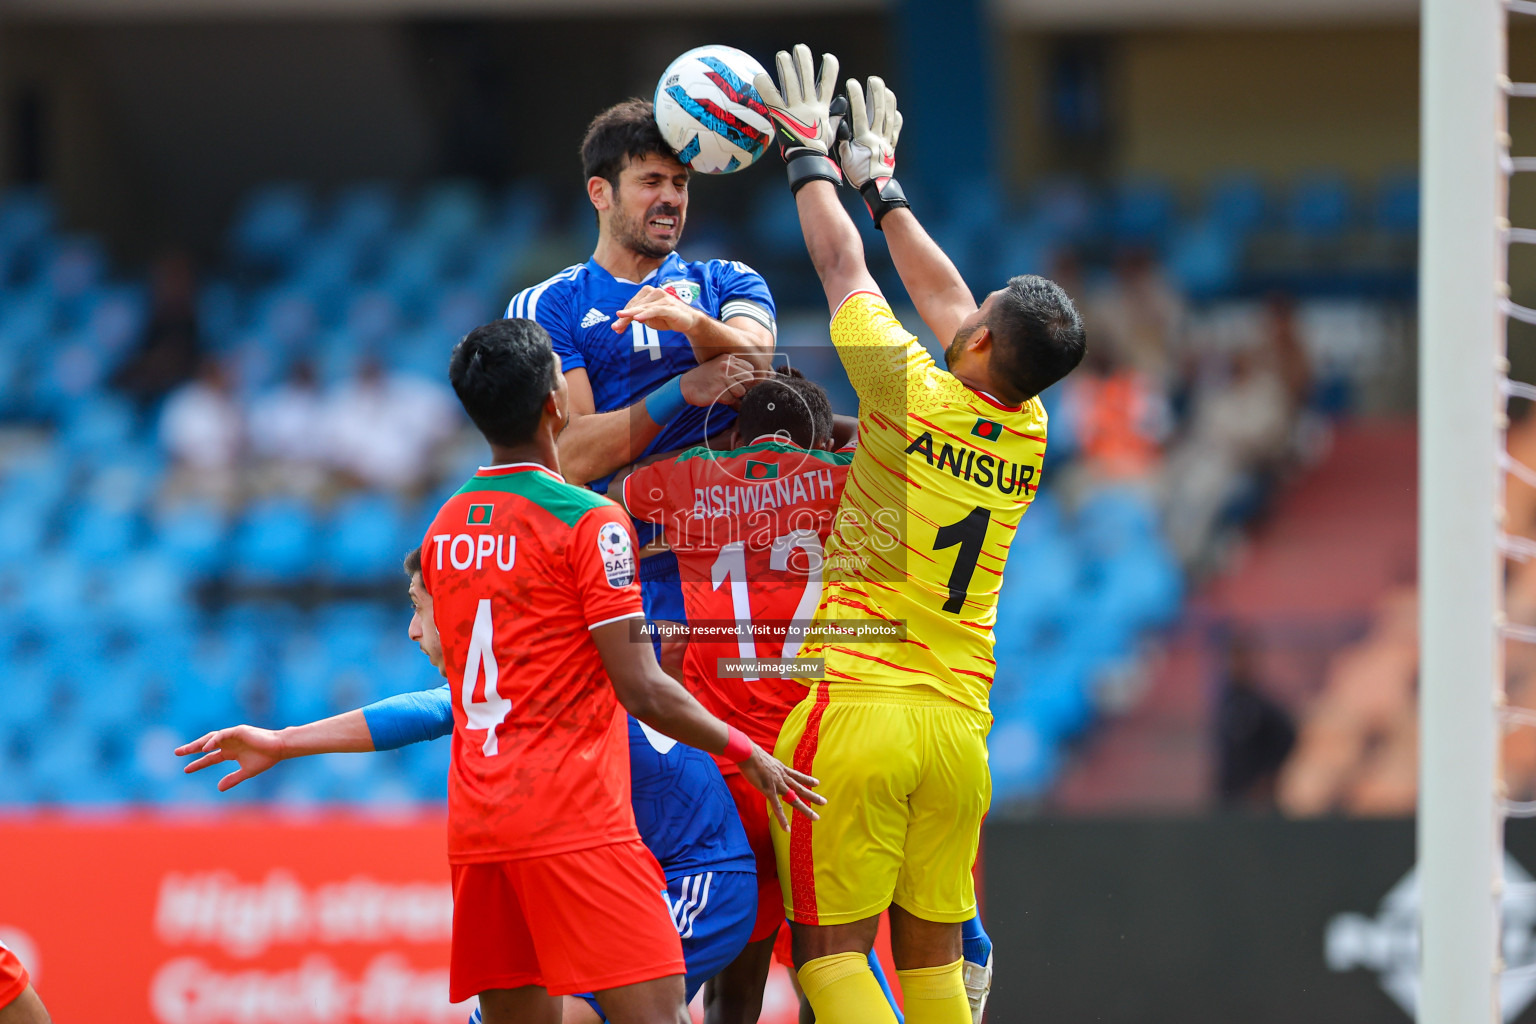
687 291
618 555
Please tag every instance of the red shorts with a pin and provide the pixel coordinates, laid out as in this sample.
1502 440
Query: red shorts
753 808
573 922
13 977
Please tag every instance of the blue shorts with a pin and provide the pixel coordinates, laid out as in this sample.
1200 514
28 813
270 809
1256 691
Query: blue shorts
714 912
661 590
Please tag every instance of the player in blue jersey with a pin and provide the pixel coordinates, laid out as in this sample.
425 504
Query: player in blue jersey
656 349
683 810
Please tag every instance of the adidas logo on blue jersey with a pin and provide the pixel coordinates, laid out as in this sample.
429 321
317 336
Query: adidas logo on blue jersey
594 317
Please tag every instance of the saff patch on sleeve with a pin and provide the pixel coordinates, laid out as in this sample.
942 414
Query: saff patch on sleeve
479 515
617 553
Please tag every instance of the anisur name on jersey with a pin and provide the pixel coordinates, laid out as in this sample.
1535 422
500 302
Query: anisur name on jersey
978 467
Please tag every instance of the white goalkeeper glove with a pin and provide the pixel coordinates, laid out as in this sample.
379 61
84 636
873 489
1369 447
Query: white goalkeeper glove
801 107
867 151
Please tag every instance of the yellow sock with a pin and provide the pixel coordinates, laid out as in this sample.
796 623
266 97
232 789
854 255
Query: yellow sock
842 990
935 995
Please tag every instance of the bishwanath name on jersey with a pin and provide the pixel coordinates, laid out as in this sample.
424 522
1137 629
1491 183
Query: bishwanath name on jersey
978 467
757 495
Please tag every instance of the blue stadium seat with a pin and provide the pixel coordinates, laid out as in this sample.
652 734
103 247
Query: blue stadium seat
76 264
95 534
364 213
1113 520
325 267
1319 207
57 590
412 266
1142 211
1205 258
27 689
1067 209
774 224
1397 203
23 526
105 422
117 319
271 223
149 589
1236 203
287 315
1023 762
193 534
450 211
27 318
221 313
373 316
275 542
26 216
365 538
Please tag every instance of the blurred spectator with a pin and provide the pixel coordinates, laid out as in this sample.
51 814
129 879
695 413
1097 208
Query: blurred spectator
167 354
287 432
1118 418
1254 733
384 430
1357 751
1138 317
1238 436
203 431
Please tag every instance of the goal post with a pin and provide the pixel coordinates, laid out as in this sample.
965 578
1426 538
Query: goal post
1461 439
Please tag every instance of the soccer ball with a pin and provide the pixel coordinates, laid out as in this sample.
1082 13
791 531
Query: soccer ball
709 111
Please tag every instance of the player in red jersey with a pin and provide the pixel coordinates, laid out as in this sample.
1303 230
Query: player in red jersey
747 526
534 592
19 1002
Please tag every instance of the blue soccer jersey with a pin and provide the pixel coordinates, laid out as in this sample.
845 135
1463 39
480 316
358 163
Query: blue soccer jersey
577 307
683 809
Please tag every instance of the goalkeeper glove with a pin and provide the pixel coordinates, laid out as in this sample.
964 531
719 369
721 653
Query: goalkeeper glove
801 106
868 147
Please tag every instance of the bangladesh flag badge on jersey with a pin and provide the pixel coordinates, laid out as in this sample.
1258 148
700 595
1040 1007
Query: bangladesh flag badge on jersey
987 430
480 515
762 470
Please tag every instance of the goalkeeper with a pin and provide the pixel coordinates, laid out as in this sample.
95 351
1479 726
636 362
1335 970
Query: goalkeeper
896 730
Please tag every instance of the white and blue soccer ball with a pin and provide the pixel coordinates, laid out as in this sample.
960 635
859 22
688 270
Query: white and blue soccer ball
709 111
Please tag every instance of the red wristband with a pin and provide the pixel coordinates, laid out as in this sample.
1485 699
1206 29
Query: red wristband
737 746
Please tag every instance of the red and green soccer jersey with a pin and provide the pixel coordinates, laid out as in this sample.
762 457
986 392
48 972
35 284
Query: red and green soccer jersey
520 566
748 528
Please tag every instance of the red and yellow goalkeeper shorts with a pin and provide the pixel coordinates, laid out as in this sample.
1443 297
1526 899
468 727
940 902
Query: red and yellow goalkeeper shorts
904 771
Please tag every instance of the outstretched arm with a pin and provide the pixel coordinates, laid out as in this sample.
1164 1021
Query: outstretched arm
384 725
833 242
256 749
868 158
942 298
801 107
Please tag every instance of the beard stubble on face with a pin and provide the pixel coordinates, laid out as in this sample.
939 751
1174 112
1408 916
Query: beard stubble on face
963 335
630 231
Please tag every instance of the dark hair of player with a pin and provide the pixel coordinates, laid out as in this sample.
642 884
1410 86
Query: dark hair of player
788 403
502 372
625 131
1037 335
413 562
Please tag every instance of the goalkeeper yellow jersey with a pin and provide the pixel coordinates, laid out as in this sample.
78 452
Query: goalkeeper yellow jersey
940 479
